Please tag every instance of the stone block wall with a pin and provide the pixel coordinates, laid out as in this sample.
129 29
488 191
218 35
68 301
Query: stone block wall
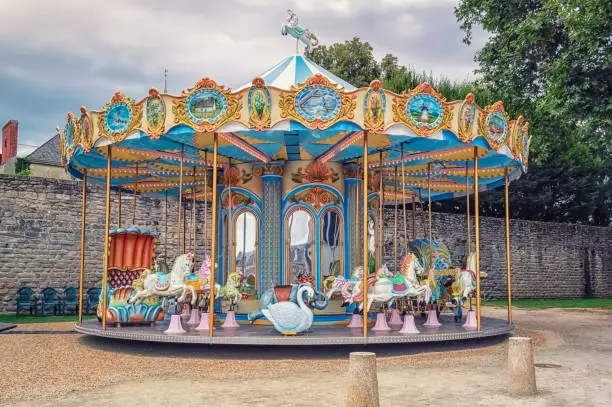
549 260
40 235
40 226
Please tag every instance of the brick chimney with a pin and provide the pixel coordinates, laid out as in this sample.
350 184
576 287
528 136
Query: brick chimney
9 140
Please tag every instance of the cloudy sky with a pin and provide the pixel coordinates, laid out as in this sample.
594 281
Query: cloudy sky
58 55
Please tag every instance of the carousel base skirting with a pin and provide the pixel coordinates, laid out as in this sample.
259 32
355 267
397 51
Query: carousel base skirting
320 335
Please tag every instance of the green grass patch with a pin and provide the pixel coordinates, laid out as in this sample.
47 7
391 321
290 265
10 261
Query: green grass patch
549 303
29 319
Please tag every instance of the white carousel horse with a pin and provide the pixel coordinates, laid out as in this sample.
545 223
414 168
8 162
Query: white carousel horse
466 278
292 28
164 285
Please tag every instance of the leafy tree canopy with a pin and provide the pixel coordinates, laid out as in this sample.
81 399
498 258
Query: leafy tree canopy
545 62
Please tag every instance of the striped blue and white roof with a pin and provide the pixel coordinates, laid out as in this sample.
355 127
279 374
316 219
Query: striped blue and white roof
294 70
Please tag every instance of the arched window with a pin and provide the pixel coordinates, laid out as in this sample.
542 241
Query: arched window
245 249
331 244
299 245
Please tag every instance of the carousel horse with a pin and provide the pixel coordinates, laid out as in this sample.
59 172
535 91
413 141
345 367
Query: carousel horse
344 286
165 285
230 292
304 35
204 284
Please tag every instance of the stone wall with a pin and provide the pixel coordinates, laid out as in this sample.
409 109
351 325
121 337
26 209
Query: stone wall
40 226
40 234
549 260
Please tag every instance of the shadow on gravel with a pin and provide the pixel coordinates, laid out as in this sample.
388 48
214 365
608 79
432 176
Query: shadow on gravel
276 352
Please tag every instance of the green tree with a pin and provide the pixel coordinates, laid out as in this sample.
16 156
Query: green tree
22 167
352 61
551 60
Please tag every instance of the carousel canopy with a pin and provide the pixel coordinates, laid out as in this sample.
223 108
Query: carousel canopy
297 110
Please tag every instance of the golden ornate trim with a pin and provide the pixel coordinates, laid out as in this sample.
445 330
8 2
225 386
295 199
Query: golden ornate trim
347 103
261 121
136 117
155 132
482 124
400 106
232 112
373 119
465 128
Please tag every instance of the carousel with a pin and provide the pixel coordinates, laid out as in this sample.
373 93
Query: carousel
291 193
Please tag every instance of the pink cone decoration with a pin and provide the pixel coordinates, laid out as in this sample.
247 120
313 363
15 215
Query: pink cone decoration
356 322
175 328
194 320
396 317
185 314
204 322
409 326
432 319
230 320
381 323
470 320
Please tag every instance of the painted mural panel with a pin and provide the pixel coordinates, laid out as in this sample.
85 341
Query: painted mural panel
298 173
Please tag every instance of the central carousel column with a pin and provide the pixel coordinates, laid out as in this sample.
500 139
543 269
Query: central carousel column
352 200
271 225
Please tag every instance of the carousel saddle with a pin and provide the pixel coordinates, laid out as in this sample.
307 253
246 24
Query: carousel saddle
282 292
399 284
163 281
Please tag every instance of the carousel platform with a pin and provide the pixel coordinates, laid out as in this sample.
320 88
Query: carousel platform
321 335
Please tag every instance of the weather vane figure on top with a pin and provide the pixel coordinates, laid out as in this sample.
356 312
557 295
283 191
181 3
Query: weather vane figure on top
292 28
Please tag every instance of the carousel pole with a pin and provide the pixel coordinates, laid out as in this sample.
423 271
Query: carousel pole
508 268
395 222
180 199
477 237
134 198
106 236
205 201
118 207
429 202
413 218
193 216
166 229
82 274
365 234
467 200
404 205
381 216
230 220
355 217
213 239
184 209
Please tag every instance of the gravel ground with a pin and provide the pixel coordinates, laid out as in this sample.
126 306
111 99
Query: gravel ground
48 370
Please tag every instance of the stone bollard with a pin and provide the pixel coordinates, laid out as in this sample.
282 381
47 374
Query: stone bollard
521 368
363 380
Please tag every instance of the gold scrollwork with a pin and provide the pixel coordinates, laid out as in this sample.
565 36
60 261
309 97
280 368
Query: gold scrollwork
85 129
260 105
400 110
72 134
135 119
347 104
374 107
156 117
232 112
316 197
483 130
466 118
